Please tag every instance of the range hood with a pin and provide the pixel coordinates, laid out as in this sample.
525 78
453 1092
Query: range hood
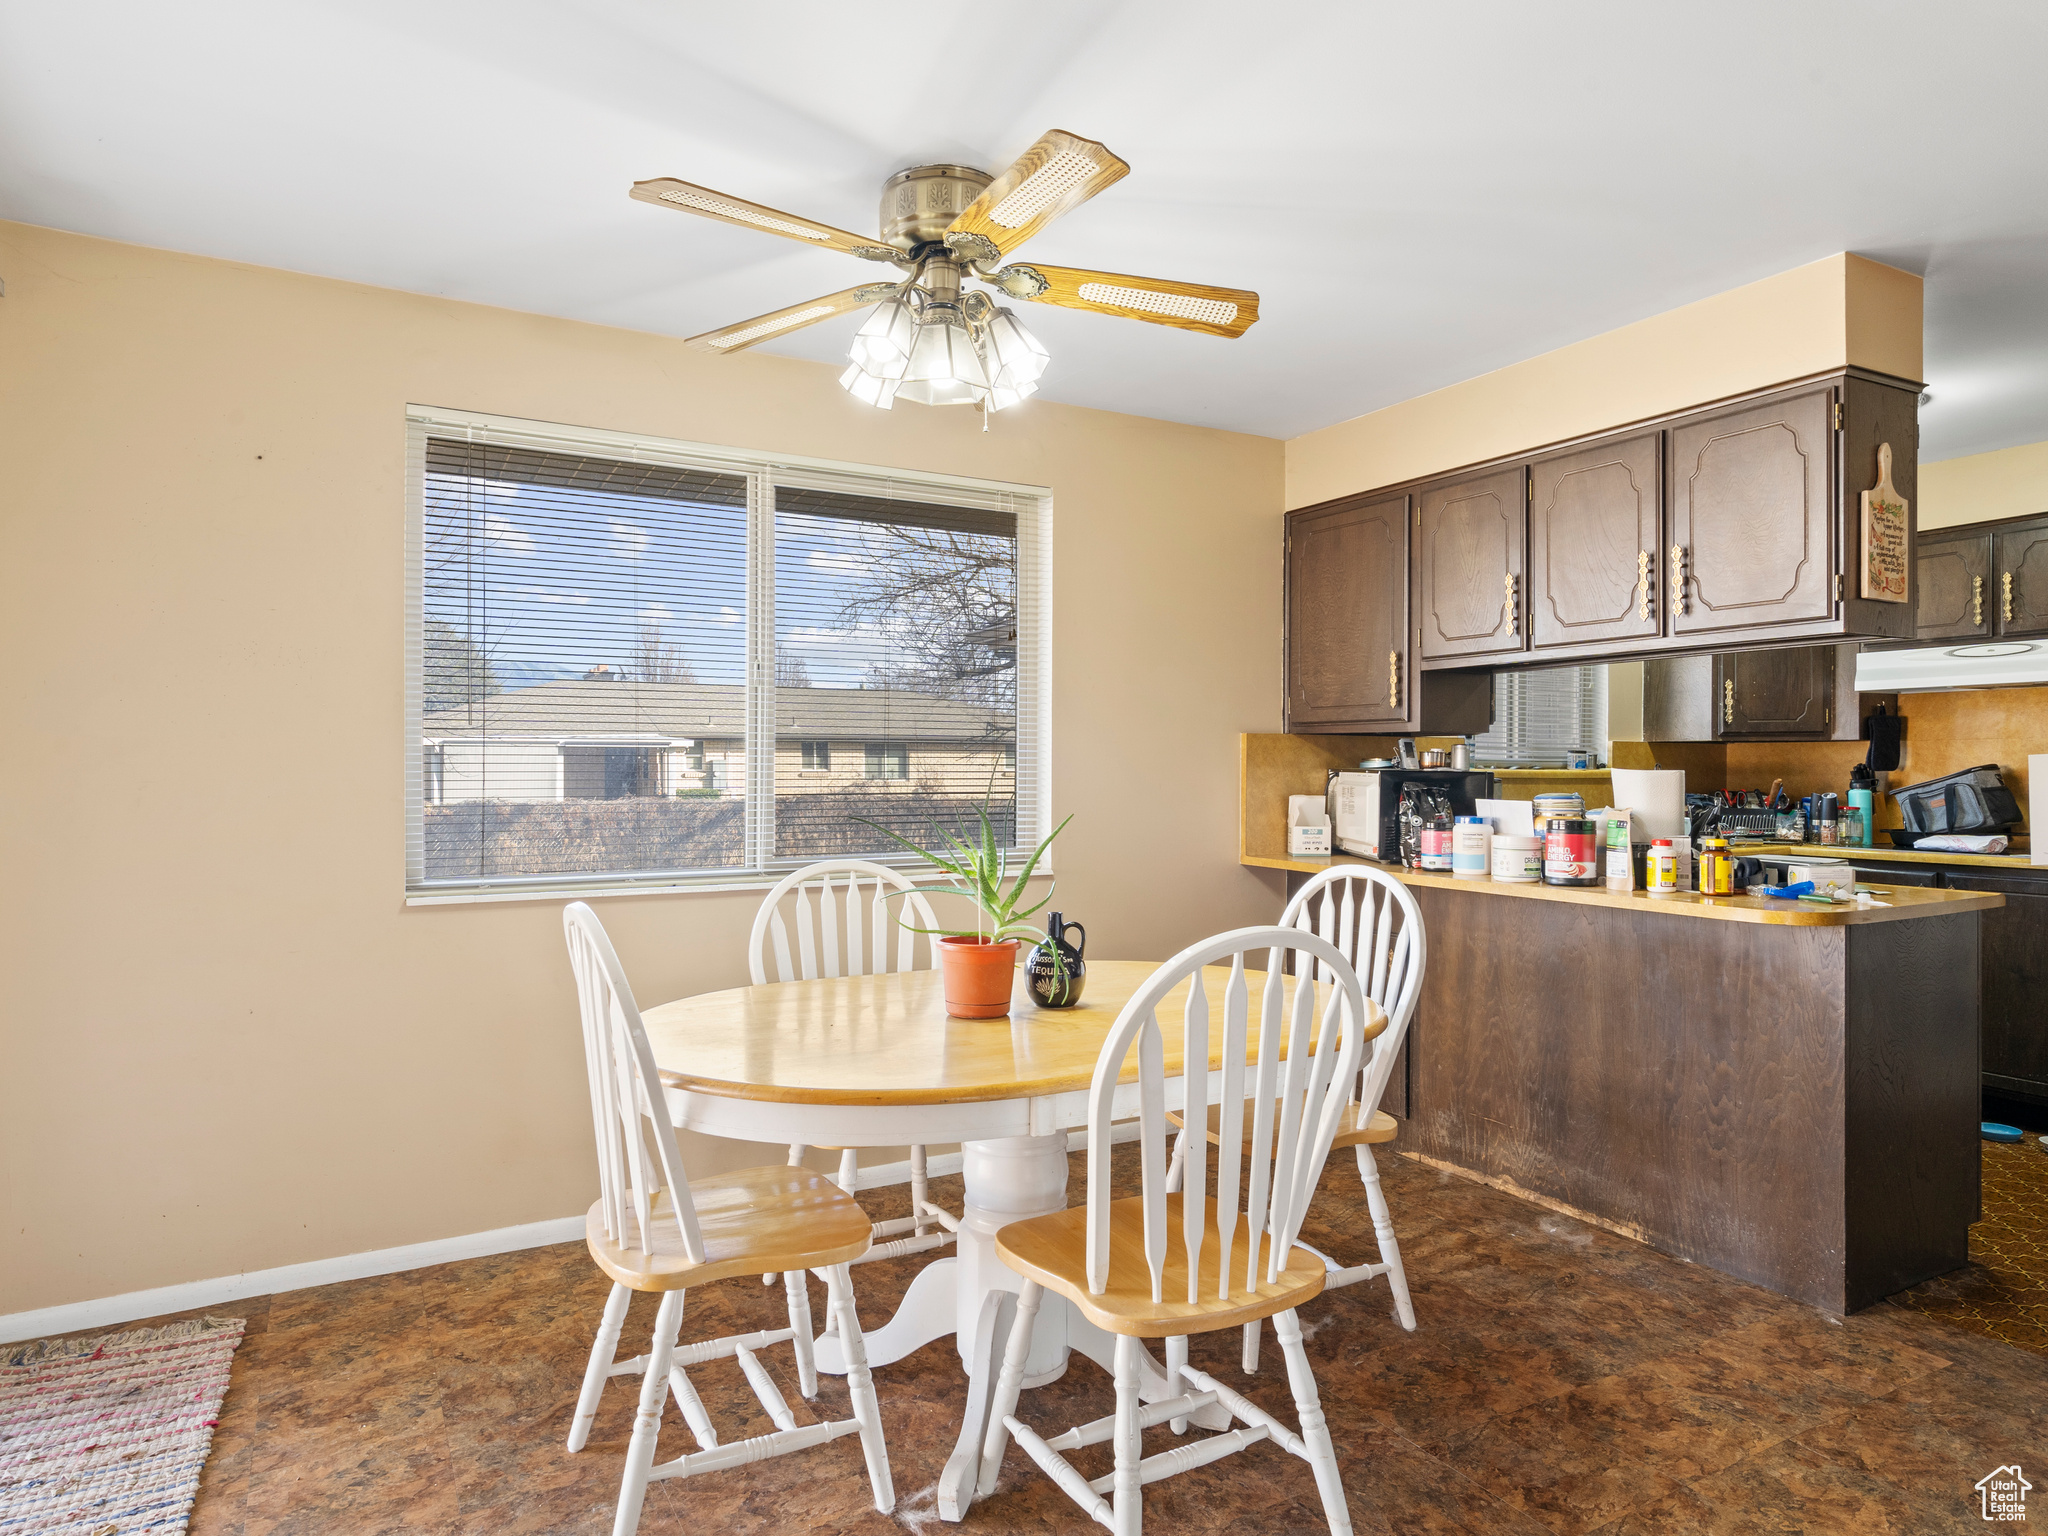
1932 668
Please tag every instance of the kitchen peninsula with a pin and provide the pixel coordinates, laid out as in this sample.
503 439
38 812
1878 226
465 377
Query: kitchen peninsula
1785 1093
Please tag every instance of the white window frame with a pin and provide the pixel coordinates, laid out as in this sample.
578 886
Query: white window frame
1031 503
1512 719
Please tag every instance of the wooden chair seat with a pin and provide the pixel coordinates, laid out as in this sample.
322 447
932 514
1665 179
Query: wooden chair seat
1378 1129
1053 1250
752 1220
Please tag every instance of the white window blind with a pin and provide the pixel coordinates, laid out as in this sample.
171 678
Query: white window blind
635 663
1541 717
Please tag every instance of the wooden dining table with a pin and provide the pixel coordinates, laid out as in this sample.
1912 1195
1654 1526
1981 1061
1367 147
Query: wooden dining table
874 1061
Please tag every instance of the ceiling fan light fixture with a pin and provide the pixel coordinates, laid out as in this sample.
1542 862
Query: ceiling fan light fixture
1016 358
867 388
945 366
882 344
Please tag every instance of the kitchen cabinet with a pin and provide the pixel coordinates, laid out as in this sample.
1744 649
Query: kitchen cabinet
1782 694
1350 644
1954 594
1472 533
1347 614
1594 533
1795 693
2013 964
1749 492
2021 559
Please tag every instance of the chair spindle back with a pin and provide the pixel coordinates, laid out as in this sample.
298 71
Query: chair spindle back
637 1154
1373 920
1306 1090
842 909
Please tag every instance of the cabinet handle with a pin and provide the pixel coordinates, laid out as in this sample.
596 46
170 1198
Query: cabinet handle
1510 606
1677 579
2006 611
1728 702
1977 600
1393 679
1643 583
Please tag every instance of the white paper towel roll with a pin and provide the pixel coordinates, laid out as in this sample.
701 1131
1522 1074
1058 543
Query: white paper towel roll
1656 795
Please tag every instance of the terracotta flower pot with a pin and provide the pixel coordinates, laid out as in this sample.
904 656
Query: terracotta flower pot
977 977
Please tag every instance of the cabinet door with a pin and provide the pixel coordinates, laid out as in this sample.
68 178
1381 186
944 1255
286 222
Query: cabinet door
1752 514
1472 570
2023 580
2013 957
1952 583
1347 615
1782 693
1593 536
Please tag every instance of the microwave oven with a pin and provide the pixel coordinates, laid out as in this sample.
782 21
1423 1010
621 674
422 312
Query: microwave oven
1365 807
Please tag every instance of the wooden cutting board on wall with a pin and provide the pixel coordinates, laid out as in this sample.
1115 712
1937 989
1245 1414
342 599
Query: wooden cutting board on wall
1884 522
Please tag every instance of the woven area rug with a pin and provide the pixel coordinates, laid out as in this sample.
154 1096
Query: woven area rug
2003 1291
104 1436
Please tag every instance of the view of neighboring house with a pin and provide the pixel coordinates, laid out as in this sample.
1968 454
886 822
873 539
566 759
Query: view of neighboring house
605 737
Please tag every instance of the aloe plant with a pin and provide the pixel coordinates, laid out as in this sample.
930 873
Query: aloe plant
980 871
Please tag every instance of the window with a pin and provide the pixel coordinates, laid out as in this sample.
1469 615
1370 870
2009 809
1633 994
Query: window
888 760
1541 717
628 659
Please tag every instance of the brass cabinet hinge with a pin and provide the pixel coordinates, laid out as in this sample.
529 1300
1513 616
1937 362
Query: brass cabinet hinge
1838 415
1838 586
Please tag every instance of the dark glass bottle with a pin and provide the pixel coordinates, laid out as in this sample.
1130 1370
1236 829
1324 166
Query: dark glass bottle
1057 983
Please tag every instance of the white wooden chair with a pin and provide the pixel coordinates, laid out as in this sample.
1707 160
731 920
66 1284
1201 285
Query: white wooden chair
844 912
1372 918
1119 1261
652 1229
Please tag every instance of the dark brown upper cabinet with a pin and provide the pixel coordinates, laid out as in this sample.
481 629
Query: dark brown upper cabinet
2021 559
1783 694
1347 615
1753 514
1593 538
1954 595
1472 600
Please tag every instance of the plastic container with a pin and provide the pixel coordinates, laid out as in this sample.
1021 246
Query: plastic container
1517 860
1556 805
1661 874
1433 851
1472 848
1717 868
1571 851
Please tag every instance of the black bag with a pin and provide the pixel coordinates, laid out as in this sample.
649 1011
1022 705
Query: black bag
1974 801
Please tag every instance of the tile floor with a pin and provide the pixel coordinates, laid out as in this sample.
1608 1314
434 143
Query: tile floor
1561 1379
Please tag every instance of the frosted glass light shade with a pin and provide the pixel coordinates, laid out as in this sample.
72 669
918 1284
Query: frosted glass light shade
866 387
1016 358
882 344
945 367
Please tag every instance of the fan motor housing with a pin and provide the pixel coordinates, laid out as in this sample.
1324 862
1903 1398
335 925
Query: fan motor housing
920 204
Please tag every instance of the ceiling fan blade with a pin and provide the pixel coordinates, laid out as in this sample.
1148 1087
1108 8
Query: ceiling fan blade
1059 172
1191 306
742 334
667 192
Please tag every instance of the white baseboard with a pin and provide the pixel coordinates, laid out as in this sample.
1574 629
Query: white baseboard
107 1311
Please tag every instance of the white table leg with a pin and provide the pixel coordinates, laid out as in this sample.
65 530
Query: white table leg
928 1312
1006 1181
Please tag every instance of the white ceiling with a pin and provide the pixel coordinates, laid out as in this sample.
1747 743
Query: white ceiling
1419 193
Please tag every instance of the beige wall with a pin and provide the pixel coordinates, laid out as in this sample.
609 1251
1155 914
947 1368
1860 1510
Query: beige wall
1840 310
229 1045
2013 482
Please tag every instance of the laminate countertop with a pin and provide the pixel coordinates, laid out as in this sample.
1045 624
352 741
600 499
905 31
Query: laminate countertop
1896 903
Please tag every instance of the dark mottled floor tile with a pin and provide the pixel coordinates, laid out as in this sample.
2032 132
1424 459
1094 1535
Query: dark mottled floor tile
1560 1378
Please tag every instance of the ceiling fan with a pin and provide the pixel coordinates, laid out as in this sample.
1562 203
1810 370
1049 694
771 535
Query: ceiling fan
932 339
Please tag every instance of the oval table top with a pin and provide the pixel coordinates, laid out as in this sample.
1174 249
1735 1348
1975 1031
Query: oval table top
887 1040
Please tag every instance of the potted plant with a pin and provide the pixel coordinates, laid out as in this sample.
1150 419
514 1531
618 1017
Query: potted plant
978 965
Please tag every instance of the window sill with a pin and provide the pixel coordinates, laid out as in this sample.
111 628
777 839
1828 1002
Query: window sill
722 881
